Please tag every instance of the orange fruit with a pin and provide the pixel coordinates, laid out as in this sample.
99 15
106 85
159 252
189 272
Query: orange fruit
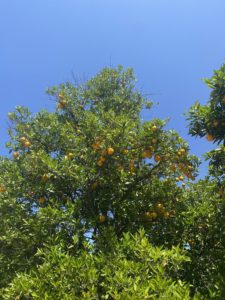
23 139
157 158
27 144
147 154
110 151
182 151
159 206
60 96
94 185
96 145
215 123
16 155
166 215
104 152
151 215
126 151
181 178
173 168
101 218
210 137
70 155
154 128
151 148
101 161
2 189
41 200
62 104
45 177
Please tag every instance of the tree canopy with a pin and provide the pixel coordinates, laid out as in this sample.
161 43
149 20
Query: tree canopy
97 203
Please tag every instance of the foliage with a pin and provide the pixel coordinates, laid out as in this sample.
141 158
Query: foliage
82 181
132 270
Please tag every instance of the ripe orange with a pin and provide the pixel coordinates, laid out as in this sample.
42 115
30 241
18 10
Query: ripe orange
23 139
151 215
27 144
110 151
96 145
151 148
182 151
210 137
2 189
147 154
101 218
159 206
181 178
101 161
16 155
157 158
62 104
154 128
166 215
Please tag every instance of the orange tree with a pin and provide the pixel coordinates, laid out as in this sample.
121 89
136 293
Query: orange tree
90 168
205 219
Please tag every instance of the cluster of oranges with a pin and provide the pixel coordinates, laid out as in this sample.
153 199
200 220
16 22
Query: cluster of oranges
109 151
25 142
160 211
62 102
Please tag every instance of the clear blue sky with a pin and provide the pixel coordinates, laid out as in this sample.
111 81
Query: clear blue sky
171 45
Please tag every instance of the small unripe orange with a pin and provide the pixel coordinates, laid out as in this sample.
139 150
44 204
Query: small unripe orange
151 215
45 177
94 185
159 206
126 151
70 155
154 128
41 200
101 218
